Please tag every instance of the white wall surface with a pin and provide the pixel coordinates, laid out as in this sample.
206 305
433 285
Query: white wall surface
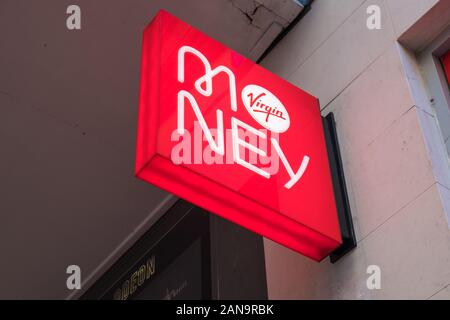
396 175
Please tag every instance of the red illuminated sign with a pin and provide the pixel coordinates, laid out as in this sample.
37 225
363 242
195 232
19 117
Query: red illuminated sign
220 131
446 63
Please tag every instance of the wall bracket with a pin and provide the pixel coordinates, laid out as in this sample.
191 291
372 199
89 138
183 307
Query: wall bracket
340 190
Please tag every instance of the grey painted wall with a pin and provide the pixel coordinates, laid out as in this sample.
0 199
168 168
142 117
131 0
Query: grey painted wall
68 108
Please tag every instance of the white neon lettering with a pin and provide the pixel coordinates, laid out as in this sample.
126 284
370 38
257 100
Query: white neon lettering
209 75
218 147
239 142
273 109
294 176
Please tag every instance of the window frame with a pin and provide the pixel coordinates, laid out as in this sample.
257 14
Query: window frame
437 86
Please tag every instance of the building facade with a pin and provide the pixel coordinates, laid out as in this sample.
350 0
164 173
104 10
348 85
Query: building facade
68 110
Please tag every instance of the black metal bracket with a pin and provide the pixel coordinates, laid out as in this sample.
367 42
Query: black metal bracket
340 190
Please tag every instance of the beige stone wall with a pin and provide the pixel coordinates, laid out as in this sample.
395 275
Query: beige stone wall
392 152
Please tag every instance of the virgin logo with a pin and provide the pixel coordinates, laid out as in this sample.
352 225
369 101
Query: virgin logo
265 108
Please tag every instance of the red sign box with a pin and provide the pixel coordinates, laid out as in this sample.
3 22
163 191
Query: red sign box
222 132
